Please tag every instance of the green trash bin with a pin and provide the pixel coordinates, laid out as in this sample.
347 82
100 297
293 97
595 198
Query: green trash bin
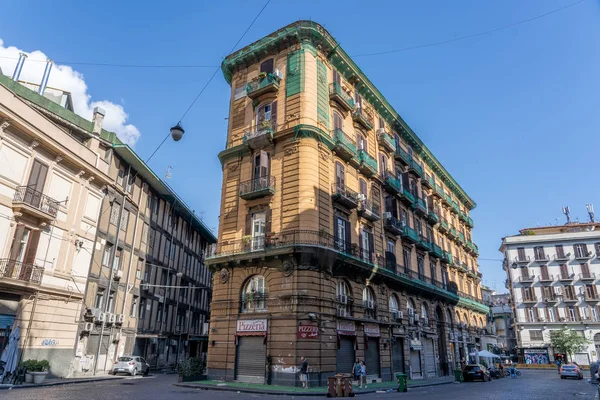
458 375
402 382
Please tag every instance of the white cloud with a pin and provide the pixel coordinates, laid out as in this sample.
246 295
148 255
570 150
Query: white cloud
65 78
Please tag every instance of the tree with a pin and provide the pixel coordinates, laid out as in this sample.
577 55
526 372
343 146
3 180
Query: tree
567 341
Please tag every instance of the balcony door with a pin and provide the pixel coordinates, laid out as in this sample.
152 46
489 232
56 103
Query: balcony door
262 164
35 184
339 177
22 253
258 230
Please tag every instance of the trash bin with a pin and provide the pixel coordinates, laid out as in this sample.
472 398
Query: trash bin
346 385
332 386
458 375
402 382
340 385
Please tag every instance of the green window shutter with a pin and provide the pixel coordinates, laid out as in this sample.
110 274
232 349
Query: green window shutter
322 94
295 73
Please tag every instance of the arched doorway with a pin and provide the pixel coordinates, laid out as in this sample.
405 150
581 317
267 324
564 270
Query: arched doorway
444 370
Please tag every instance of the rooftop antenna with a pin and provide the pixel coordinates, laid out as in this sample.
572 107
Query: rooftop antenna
168 174
590 210
567 213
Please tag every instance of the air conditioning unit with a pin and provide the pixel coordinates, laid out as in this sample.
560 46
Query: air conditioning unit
100 318
387 214
396 315
381 130
88 327
278 74
118 275
361 197
111 318
96 313
120 318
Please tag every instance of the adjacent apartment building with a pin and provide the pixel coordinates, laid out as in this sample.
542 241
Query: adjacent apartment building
99 256
341 235
552 274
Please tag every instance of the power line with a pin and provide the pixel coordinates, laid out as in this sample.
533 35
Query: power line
219 67
420 46
94 64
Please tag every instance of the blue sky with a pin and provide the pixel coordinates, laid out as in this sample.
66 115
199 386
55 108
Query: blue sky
512 114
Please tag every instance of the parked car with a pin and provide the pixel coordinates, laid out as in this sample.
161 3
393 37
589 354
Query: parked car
131 365
570 371
476 371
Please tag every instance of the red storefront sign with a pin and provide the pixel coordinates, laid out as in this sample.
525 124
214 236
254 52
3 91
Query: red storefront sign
372 330
308 332
346 328
249 327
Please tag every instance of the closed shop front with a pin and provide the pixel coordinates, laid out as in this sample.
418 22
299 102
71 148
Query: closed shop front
345 354
416 371
250 355
398 356
430 358
372 335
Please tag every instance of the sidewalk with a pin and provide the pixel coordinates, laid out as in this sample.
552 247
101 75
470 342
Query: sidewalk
63 381
313 391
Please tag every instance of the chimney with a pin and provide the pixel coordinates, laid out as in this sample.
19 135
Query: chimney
99 114
45 77
19 67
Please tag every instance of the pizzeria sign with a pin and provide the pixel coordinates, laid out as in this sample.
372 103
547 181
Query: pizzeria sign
308 332
251 327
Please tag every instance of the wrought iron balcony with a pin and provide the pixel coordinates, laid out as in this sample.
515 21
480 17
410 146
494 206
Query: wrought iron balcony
566 277
547 279
338 94
523 260
28 200
591 298
391 224
402 156
415 168
420 207
409 234
455 207
439 191
530 299
461 238
551 298
344 196
254 301
562 257
386 142
462 216
436 251
261 136
368 165
16 270
526 279
423 243
469 222
583 255
432 217
587 277
368 210
407 197
344 145
258 187
443 227
391 183
363 117
453 233
541 258
569 299
266 84
447 258
448 199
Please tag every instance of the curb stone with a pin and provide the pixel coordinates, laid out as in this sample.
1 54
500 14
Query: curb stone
61 382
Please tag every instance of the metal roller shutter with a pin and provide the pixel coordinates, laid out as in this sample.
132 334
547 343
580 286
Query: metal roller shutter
250 359
398 356
372 357
345 355
429 359
415 364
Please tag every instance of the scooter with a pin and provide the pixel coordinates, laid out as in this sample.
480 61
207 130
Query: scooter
507 372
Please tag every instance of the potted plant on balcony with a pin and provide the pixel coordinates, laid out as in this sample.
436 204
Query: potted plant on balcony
39 370
262 75
265 124
246 241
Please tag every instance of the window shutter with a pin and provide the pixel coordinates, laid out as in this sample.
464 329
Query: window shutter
564 270
337 121
585 269
348 236
584 249
14 250
260 116
544 270
249 224
525 272
405 180
339 175
521 253
363 187
524 294
268 218
371 245
264 164
274 115
32 247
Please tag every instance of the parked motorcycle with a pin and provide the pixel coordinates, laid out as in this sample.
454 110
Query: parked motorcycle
507 372
494 372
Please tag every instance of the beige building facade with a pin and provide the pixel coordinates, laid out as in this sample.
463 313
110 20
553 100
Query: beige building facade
341 236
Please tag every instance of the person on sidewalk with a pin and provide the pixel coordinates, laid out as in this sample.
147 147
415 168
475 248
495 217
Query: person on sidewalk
356 371
304 372
363 374
558 365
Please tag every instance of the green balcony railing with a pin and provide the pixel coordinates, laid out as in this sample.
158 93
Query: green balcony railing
453 232
364 117
420 203
402 155
336 91
455 207
386 141
461 238
408 196
469 221
410 234
367 162
448 198
415 167
433 217
344 143
392 182
444 225
447 257
436 251
270 81
428 181
440 190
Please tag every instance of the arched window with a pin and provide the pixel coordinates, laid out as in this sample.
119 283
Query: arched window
254 294
266 116
338 121
410 308
394 308
369 302
344 299
448 317
425 314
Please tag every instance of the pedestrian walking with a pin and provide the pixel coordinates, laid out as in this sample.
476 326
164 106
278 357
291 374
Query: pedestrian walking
558 365
304 372
513 371
356 371
501 369
363 374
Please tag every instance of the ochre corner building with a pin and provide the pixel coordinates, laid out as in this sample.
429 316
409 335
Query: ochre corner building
341 236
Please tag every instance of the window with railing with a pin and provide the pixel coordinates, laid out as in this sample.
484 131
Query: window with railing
581 250
344 299
394 308
254 295
369 305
